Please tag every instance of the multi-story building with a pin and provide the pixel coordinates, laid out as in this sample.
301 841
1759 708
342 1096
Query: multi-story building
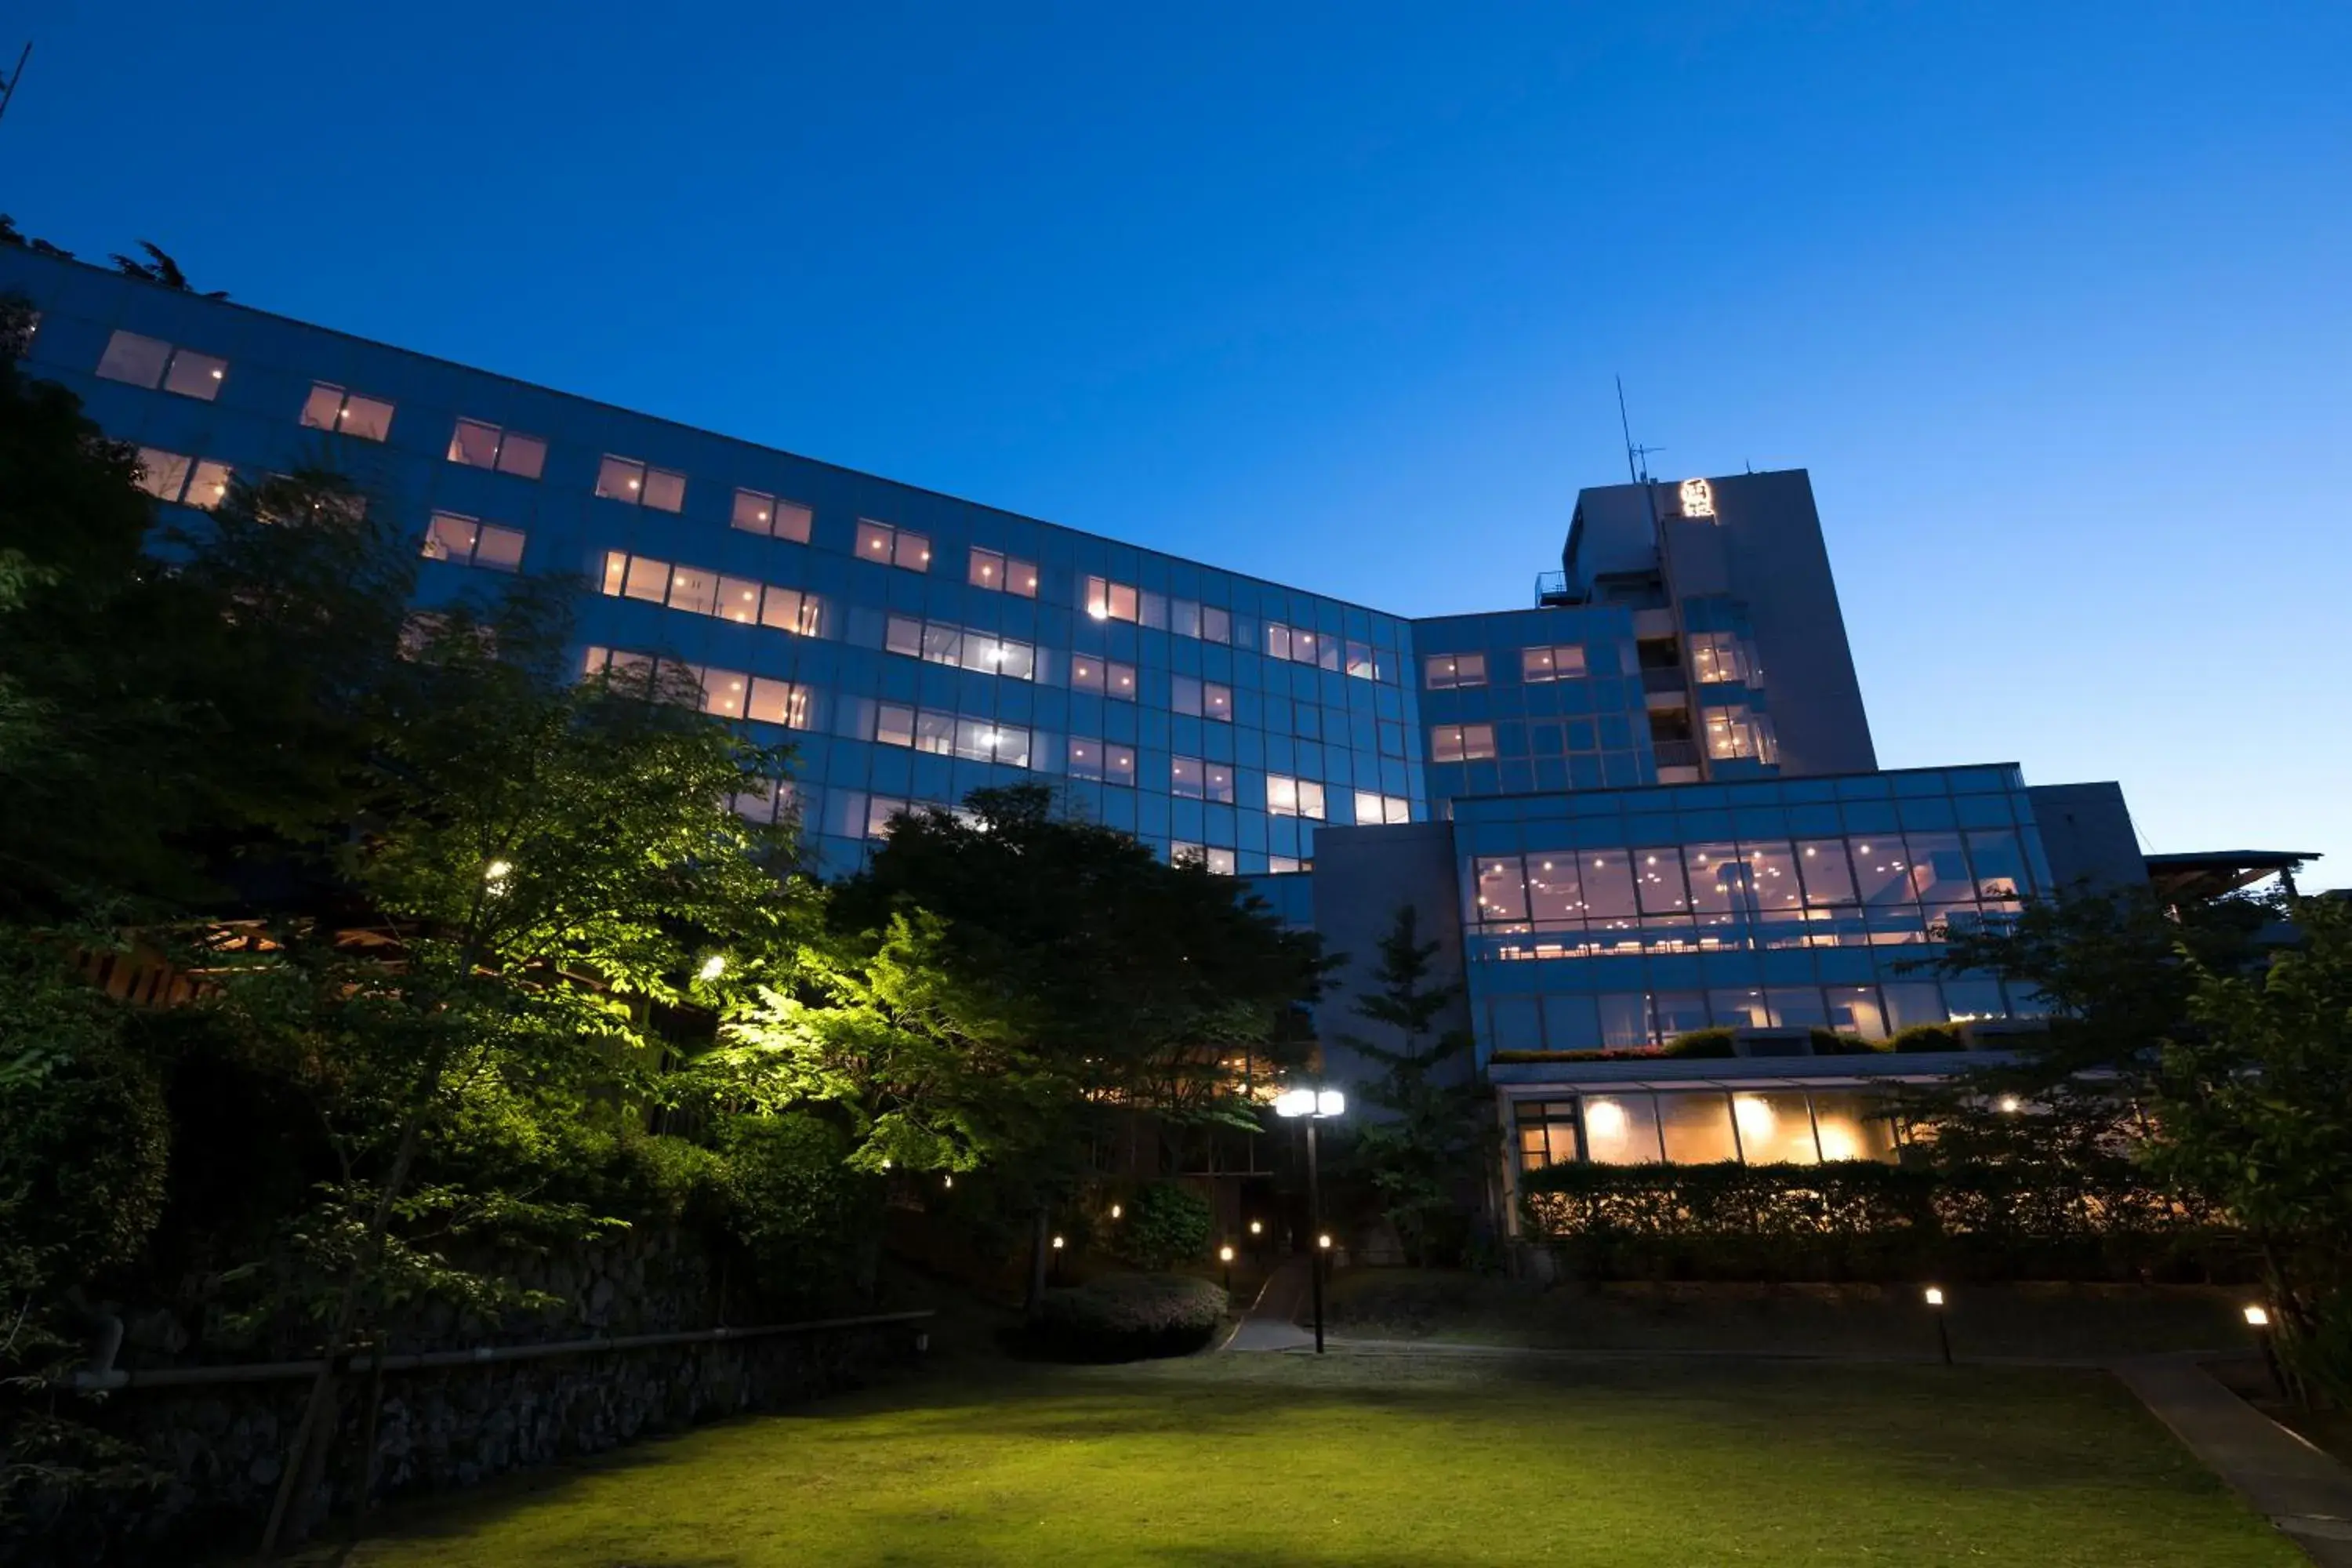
1646 804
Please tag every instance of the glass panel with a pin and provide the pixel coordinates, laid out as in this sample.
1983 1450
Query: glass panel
1184 694
935 733
1184 777
1738 1009
1999 868
1218 782
692 588
369 418
500 549
903 634
1118 764
1912 1001
1854 1010
1621 1130
1938 870
195 376
1775 1127
1217 702
1535 665
1310 799
724 692
1016 661
1659 878
1608 878
873 541
1853 1126
1477 742
322 408
986 569
1879 869
1569 662
1013 746
1020 577
208 485
1717 880
792 523
618 479
1470 669
1122 602
1797 1007
754 512
1360 660
1698 1128
448 538
664 492
944 644
616 571
739 599
474 443
161 474
779 702
1216 624
911 552
1554 894
648 580
1368 807
1829 877
140 361
1086 674
523 455
1772 876
1119 679
1673 1013
1281 796
787 609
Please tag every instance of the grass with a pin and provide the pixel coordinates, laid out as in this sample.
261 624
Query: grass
2033 1320
1387 1460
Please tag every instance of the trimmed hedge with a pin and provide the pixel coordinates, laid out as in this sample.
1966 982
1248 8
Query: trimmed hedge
1863 1220
1129 1317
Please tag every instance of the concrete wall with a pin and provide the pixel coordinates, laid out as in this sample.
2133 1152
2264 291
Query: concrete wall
1764 547
2087 834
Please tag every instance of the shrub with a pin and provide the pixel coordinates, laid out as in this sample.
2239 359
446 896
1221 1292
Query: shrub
1715 1042
1129 1317
1830 1043
1861 1219
1929 1037
1165 1223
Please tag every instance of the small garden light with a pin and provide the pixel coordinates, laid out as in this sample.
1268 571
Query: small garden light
1225 1257
2009 1104
2258 1317
1935 1294
1257 1227
1324 1241
1057 1243
1115 1211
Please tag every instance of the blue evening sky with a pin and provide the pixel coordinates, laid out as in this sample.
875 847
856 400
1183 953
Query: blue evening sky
2055 302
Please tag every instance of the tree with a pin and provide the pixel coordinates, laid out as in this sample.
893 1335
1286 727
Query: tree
1427 1149
158 268
2252 1106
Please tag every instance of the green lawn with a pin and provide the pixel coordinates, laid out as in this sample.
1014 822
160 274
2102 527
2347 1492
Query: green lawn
1388 1460
2059 1321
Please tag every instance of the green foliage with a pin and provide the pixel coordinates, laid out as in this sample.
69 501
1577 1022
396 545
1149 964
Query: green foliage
2252 1106
804 1218
1715 1042
1928 1037
1861 1219
1425 1150
1164 1224
1130 1317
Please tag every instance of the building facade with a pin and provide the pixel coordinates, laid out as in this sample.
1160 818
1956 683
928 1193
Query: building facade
1648 804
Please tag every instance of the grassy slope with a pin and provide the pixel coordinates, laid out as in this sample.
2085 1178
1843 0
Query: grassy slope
1380 1461
2058 1320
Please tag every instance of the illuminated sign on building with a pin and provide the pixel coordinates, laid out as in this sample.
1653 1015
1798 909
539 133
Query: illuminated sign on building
1698 498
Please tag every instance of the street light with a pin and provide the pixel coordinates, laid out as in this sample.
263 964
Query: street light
1314 1105
1943 1336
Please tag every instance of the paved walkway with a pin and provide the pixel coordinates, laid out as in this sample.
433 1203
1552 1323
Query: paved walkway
1271 1321
2304 1492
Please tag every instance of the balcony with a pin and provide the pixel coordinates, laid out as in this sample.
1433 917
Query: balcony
1675 753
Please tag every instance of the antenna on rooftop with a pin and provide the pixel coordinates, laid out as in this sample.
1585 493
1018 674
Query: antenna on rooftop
1637 464
8 90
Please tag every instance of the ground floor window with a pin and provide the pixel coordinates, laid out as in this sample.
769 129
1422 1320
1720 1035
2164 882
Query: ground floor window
1706 1126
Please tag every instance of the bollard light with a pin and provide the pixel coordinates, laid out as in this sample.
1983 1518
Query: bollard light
1057 1243
1257 1227
1935 1294
1324 1241
1115 1211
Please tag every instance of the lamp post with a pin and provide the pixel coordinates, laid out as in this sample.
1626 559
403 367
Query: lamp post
1314 1105
2258 1317
1225 1257
1943 1335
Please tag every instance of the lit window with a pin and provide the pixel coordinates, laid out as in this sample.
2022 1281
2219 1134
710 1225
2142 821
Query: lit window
1460 742
1450 672
986 570
1373 808
882 543
1729 734
756 511
463 541
163 475
705 592
627 479
1360 663
1284 865
781 702
480 446
1119 680
1217 702
1216 624
1197 780
330 407
1286 796
134 359
940 642
1085 673
208 485
1718 656
724 692
1092 758
1111 601
192 375
1020 578
1564 662
894 725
